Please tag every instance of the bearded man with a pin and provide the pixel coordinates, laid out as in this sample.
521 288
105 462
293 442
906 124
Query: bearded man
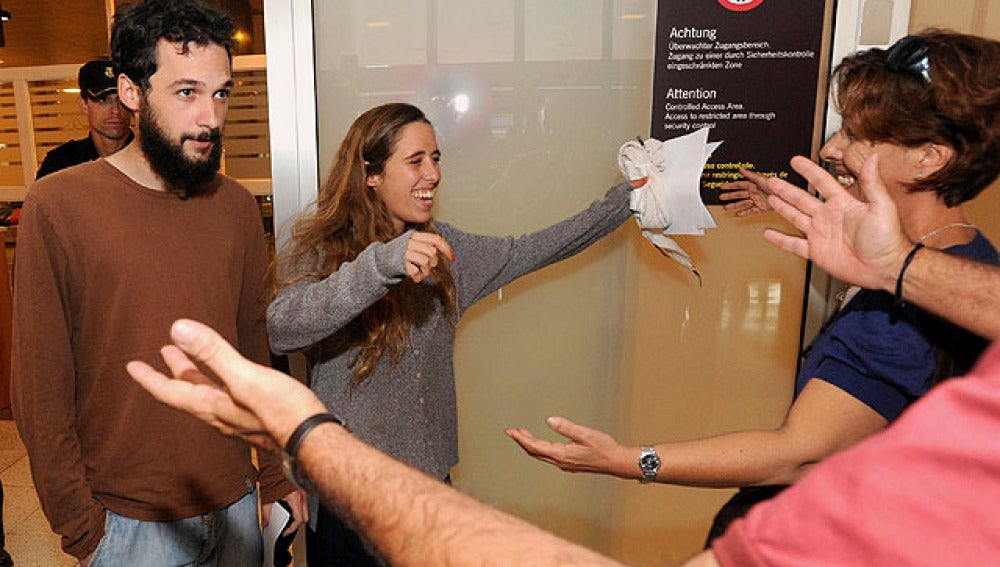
146 235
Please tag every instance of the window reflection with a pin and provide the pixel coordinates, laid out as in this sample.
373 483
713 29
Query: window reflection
763 301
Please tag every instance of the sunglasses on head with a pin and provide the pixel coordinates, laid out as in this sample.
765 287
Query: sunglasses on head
909 55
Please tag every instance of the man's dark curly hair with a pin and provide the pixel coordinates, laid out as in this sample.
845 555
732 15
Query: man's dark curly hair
138 28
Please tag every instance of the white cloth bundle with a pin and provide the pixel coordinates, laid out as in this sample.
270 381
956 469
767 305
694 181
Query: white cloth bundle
670 201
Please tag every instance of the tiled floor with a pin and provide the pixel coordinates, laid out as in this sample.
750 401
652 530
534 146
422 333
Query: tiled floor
30 541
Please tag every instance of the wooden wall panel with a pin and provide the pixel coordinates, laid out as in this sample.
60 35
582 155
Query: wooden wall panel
10 144
49 32
247 142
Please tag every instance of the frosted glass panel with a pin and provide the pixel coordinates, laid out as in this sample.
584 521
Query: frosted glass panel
371 33
633 27
471 32
563 30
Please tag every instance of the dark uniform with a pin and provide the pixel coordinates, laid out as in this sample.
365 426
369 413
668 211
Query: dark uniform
69 154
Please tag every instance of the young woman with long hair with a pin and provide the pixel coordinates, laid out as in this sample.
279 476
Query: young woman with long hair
371 287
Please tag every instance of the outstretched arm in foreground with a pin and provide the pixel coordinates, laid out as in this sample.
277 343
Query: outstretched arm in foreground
824 419
410 518
862 243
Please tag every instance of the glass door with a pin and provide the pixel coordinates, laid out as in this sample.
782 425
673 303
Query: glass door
531 100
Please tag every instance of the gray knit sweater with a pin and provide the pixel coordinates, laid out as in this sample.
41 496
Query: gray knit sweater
408 410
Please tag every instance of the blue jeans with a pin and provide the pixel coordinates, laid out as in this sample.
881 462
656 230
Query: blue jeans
228 537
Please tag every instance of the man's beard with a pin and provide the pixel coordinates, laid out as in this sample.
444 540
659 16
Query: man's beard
179 173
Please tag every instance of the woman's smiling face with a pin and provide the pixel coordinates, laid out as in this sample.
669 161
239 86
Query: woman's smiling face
898 165
410 176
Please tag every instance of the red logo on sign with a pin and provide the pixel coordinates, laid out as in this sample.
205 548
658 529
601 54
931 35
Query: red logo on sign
740 5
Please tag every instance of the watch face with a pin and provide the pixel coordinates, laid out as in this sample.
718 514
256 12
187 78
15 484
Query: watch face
649 462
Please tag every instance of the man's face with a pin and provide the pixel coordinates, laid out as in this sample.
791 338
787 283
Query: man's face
106 116
182 113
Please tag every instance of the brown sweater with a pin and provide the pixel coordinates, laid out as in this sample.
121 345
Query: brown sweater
104 266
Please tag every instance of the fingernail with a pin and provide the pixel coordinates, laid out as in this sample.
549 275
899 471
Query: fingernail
182 331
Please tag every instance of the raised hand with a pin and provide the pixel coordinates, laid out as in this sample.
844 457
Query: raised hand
749 195
857 242
422 254
254 402
588 450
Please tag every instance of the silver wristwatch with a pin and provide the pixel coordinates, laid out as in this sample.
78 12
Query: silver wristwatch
649 464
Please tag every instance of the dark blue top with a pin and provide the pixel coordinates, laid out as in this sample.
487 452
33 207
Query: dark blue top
888 357
73 152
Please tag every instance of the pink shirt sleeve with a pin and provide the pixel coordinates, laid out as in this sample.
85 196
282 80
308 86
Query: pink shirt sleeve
924 492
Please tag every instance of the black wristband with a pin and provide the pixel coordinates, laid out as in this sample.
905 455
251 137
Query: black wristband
899 281
292 446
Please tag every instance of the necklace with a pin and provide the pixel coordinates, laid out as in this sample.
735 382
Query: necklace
945 227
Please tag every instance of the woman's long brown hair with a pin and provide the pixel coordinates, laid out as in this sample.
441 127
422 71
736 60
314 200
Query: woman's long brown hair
347 217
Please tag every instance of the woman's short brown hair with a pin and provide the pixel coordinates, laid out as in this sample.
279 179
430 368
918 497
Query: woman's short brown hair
959 106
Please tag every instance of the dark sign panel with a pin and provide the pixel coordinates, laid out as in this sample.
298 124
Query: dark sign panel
748 70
